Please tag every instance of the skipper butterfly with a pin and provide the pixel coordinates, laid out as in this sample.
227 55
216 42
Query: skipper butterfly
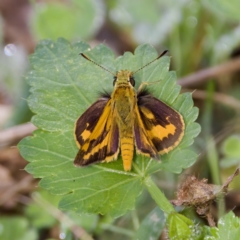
125 119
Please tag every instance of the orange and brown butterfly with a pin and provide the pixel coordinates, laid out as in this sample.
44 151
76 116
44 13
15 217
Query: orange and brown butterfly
126 119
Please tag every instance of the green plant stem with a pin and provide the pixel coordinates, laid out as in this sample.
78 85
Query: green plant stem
212 156
158 196
135 220
175 47
119 230
207 123
213 162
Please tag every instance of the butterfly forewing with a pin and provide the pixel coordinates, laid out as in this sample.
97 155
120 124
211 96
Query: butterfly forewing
97 134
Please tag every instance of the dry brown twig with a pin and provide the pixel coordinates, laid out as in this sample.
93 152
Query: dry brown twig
210 73
16 133
217 97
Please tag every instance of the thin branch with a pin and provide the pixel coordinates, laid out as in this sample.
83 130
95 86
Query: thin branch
16 133
209 73
57 214
217 97
229 180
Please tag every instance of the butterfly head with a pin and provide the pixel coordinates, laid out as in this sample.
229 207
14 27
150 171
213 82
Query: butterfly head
124 77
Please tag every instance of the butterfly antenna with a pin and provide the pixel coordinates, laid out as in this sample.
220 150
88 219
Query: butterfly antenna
83 55
163 53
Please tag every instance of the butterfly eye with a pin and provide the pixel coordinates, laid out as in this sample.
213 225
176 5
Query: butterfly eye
114 80
132 81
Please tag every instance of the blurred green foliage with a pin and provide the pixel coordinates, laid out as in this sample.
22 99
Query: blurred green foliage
231 151
191 30
76 18
16 228
39 217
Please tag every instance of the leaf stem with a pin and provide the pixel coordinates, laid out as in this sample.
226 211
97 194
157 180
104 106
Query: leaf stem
213 161
116 229
158 196
135 220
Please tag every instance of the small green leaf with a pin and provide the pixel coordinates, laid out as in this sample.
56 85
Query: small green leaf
151 226
231 151
179 227
229 227
231 146
63 86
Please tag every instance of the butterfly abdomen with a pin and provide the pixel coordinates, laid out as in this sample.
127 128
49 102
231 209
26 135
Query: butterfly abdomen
127 150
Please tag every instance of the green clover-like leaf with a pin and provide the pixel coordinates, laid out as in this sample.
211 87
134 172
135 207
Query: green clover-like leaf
63 86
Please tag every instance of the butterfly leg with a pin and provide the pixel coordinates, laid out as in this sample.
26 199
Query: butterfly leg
144 84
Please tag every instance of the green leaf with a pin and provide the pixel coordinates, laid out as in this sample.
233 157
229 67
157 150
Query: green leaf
231 146
231 151
16 228
152 225
63 86
179 226
229 227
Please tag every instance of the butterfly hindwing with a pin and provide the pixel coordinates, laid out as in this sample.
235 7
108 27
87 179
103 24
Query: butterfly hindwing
143 142
163 126
97 134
